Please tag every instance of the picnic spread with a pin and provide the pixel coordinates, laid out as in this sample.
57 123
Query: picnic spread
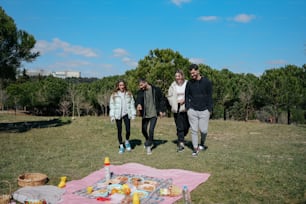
129 183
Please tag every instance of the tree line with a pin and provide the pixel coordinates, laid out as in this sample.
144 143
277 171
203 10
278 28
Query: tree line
277 96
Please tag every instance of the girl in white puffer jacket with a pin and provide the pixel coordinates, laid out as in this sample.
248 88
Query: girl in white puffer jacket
122 107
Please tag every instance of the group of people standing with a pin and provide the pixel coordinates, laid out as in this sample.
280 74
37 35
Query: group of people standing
190 101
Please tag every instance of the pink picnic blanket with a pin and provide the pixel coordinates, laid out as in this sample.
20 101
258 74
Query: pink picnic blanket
180 177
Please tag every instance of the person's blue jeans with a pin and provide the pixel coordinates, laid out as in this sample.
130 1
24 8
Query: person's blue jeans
144 127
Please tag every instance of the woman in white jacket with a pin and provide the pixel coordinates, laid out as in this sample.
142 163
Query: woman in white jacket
176 98
122 107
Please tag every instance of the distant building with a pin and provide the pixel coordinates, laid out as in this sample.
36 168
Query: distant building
40 72
61 74
66 74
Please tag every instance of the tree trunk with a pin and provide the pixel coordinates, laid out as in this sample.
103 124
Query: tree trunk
288 116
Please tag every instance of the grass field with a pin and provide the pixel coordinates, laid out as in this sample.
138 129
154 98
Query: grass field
249 162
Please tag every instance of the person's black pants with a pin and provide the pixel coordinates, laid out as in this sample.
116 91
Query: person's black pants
182 125
127 123
144 127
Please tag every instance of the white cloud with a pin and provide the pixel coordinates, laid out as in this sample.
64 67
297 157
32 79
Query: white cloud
123 54
196 60
119 52
128 61
208 18
44 47
180 2
244 18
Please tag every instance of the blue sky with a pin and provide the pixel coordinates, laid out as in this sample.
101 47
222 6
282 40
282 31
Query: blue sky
108 37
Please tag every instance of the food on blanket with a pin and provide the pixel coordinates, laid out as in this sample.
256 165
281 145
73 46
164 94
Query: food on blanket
113 181
146 187
171 191
118 180
89 189
154 183
35 201
141 194
114 191
164 192
126 189
136 181
175 190
100 193
122 179
115 188
127 200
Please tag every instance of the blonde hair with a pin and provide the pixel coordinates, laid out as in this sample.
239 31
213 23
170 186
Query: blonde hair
179 71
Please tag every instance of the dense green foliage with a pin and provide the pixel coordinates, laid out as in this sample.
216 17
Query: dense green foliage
15 47
276 96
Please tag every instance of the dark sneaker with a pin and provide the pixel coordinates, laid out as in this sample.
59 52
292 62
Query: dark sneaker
203 147
195 152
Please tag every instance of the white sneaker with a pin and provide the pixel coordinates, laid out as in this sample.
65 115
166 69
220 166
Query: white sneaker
121 149
202 147
128 146
195 152
149 150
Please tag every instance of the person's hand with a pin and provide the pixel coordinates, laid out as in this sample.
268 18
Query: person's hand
182 101
161 114
133 117
139 107
112 119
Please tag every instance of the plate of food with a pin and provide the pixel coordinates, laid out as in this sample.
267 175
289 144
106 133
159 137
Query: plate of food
146 187
100 192
151 182
136 180
122 179
114 188
141 194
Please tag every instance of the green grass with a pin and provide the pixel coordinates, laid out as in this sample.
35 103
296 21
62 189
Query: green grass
249 162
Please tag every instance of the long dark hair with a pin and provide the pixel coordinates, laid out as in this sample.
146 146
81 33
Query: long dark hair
117 86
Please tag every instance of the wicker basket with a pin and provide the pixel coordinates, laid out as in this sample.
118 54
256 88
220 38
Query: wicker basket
5 198
32 179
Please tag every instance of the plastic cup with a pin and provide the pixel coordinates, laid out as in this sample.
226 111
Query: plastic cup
106 160
63 178
89 189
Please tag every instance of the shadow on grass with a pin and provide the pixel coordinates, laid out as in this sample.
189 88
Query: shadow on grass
158 142
187 144
28 125
137 142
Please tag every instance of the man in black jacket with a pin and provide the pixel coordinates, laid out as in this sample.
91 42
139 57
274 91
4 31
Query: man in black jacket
199 104
150 102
